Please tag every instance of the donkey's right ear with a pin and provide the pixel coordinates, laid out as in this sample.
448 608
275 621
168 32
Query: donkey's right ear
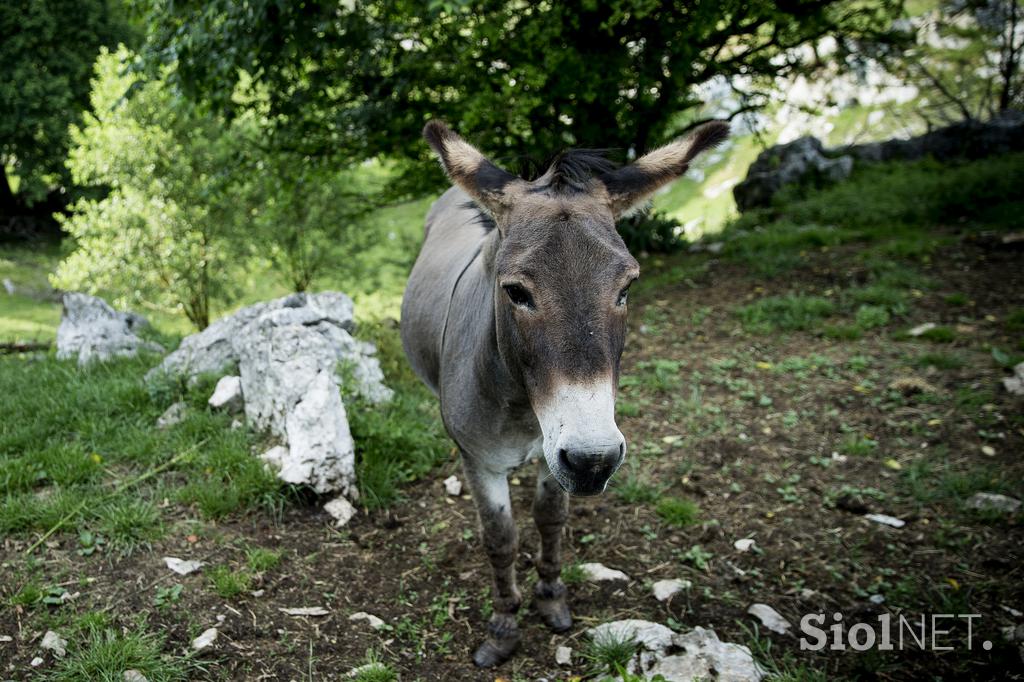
468 168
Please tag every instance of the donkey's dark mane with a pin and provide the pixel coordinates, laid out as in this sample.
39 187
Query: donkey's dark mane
574 168
568 172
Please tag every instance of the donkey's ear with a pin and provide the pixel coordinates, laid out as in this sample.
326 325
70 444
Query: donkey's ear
468 168
632 184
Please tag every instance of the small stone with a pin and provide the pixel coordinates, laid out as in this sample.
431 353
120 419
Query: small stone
258 593
993 502
886 520
563 655
6 638
204 640
9 286
988 451
770 618
341 509
453 486
55 643
1015 384
175 414
36 662
236 424
181 566
876 599
134 676
744 545
599 573
227 396
922 329
375 622
306 611
666 589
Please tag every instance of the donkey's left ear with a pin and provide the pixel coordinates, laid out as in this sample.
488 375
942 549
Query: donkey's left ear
632 184
468 168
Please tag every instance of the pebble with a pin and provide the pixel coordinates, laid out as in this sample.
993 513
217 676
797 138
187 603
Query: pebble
204 640
453 486
666 589
599 573
770 618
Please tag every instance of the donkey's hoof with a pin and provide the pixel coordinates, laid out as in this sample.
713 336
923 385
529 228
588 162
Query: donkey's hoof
495 651
555 613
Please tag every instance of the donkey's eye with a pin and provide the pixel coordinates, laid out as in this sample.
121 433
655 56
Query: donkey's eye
623 297
518 295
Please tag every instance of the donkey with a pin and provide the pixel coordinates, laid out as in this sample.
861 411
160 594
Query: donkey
515 316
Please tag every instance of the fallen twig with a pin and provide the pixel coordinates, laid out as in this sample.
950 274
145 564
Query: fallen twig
12 348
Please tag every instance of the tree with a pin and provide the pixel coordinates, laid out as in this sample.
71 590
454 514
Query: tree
306 212
47 49
166 234
359 79
964 57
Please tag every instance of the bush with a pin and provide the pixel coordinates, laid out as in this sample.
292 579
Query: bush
652 233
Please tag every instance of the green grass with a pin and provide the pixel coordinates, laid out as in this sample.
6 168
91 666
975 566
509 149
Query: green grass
228 583
102 653
677 512
260 559
608 654
635 488
792 312
941 360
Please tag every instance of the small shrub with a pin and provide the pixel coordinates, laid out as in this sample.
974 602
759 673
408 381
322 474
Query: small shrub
678 512
872 316
228 583
793 312
652 232
608 654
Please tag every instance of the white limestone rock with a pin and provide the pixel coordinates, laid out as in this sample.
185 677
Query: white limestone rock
770 618
91 330
372 620
54 643
651 636
599 573
341 509
227 396
453 486
664 590
993 502
175 414
206 639
705 656
1015 384
182 566
563 655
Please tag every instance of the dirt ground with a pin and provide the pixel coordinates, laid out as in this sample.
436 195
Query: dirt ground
731 426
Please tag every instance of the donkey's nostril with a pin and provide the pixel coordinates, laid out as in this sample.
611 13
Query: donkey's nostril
622 450
563 458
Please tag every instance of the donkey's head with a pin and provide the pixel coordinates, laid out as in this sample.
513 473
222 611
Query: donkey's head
561 277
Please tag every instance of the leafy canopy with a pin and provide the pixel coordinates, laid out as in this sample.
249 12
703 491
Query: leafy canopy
47 50
359 78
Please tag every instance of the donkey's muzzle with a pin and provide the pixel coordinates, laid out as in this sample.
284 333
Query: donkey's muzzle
585 471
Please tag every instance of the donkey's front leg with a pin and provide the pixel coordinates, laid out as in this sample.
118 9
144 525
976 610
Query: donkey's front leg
550 511
490 493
